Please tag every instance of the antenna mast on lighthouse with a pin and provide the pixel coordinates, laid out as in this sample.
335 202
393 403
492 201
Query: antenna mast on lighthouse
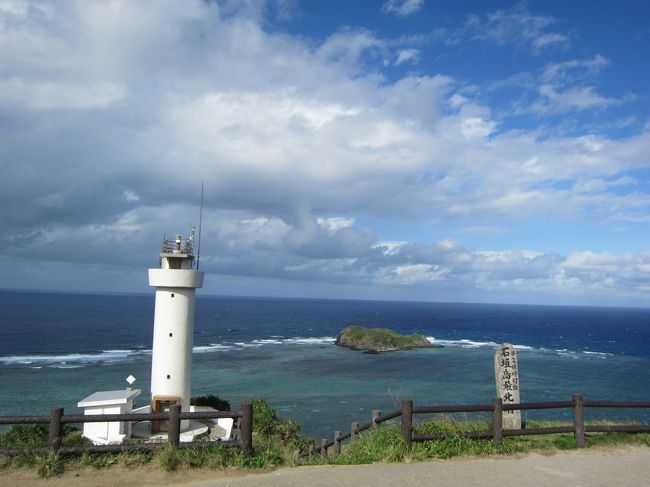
198 249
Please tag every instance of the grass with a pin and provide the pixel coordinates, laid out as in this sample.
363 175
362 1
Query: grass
35 436
386 443
277 443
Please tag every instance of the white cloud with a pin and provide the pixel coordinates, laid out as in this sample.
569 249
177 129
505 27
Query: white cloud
388 247
117 112
573 69
580 98
516 26
519 26
131 196
335 251
349 46
412 274
402 8
542 41
457 100
476 127
46 95
407 56
16 8
605 271
334 225
482 230
250 147
565 87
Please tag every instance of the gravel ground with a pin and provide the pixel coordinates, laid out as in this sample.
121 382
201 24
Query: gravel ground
618 467
576 468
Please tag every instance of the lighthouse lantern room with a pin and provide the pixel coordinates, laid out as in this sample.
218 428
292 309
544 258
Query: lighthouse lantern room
171 360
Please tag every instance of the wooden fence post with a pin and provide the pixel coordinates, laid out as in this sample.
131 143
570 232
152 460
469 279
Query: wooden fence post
337 443
407 422
247 427
55 435
323 448
497 420
354 429
174 425
579 420
374 414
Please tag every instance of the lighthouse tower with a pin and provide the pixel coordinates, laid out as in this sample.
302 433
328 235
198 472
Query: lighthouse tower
173 329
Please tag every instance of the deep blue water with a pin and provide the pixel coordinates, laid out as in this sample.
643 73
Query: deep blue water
58 348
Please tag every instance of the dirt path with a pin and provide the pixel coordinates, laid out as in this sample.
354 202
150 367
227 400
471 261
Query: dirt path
116 477
595 467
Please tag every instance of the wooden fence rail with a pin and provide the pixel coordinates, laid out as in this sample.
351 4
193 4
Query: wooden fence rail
577 404
56 420
407 411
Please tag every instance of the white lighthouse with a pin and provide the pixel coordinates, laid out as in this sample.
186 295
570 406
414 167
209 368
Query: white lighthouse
171 359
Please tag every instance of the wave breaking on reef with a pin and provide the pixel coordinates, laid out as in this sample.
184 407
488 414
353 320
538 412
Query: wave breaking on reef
74 360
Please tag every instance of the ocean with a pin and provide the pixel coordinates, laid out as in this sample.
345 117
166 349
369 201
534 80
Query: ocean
58 348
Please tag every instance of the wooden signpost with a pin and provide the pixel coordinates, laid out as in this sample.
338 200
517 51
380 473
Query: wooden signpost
506 373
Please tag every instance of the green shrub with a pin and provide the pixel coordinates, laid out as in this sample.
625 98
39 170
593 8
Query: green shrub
265 419
267 425
275 440
74 437
384 444
36 436
288 429
25 436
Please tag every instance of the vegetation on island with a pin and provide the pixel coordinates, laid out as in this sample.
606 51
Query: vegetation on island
278 443
379 340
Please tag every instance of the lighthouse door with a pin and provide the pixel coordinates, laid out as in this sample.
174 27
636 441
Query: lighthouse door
162 404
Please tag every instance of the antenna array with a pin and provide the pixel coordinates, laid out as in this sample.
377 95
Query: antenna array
198 249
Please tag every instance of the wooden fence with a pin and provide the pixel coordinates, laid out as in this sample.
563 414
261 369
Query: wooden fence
408 410
406 413
56 420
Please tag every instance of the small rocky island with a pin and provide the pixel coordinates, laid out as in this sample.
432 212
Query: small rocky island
375 340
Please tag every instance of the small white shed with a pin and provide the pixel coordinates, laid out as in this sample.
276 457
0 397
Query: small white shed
108 402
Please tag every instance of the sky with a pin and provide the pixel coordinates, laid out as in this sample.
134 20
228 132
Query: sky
430 150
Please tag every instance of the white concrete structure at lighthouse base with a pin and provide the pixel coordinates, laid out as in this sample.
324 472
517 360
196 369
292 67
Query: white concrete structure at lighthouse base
212 429
108 402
